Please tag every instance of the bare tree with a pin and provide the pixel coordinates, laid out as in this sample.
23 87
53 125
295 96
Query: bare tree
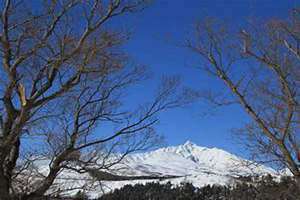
63 74
259 67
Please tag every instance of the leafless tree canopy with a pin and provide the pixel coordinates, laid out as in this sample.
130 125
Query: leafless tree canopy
260 68
63 74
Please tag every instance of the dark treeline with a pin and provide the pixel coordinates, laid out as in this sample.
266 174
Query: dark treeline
246 188
265 189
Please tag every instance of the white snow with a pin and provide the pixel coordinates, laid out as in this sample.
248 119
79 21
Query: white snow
198 165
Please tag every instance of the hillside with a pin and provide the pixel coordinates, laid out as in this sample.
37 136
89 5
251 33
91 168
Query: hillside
183 163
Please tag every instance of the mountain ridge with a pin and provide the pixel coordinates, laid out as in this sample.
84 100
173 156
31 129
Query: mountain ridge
182 163
197 157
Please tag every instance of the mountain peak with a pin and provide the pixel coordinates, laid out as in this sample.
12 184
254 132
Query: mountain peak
189 143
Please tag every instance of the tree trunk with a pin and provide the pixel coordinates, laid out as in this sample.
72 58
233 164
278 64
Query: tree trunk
298 181
4 186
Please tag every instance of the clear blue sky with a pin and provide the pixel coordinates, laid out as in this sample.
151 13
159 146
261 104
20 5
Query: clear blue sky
172 20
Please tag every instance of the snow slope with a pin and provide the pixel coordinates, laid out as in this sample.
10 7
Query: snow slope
195 164
190 159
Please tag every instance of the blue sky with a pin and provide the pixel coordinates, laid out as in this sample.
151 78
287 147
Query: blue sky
155 33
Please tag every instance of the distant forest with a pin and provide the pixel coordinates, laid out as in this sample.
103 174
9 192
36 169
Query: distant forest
248 189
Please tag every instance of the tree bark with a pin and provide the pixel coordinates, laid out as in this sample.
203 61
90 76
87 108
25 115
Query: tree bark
298 181
4 186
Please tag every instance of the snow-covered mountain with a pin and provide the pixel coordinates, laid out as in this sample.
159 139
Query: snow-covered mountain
189 162
189 159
